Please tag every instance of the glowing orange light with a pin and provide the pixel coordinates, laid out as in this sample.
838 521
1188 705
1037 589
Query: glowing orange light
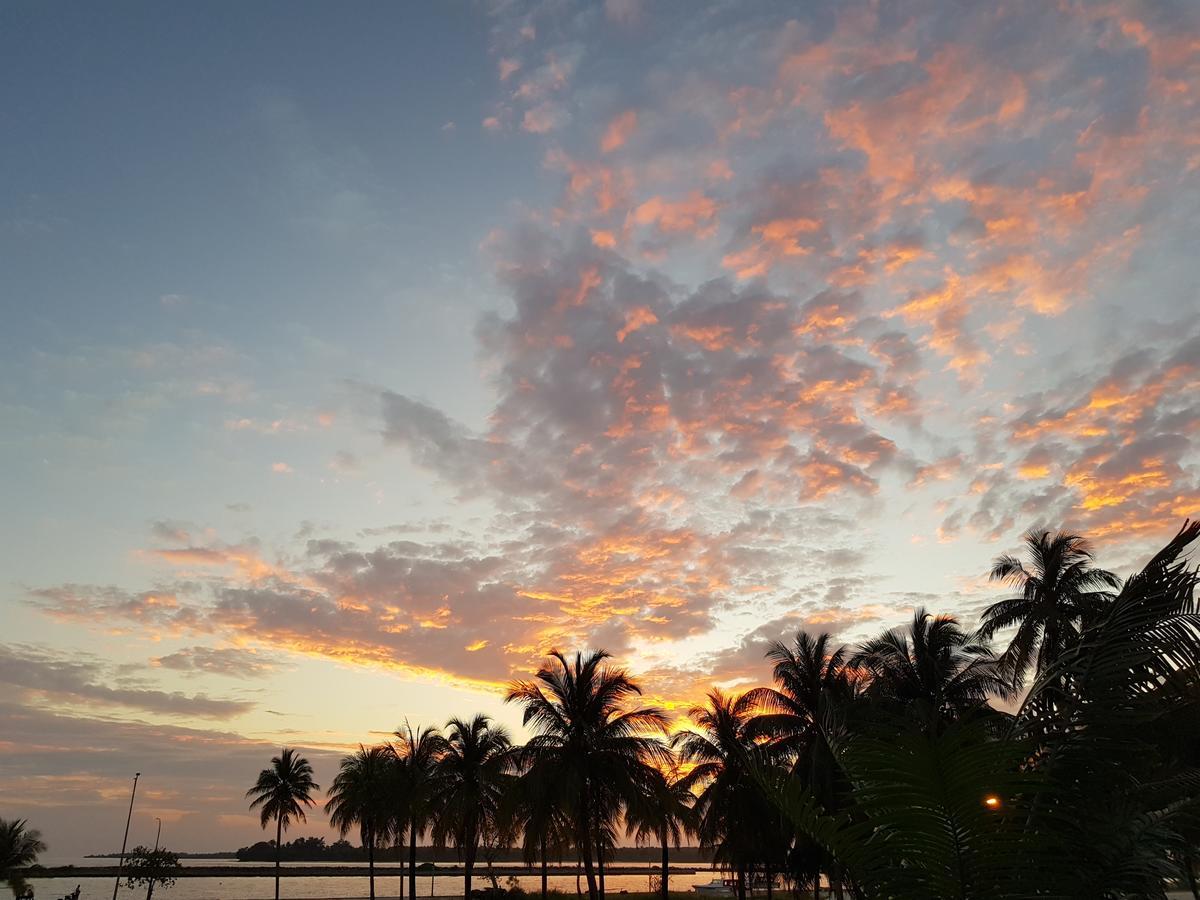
991 801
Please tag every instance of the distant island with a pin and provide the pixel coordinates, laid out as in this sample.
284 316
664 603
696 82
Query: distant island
220 854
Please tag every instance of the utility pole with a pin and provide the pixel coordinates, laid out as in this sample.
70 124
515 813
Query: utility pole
158 833
125 840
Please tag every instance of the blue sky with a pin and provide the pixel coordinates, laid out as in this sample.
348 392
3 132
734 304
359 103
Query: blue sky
353 357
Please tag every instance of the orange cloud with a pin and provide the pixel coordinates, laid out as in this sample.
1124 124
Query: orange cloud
619 130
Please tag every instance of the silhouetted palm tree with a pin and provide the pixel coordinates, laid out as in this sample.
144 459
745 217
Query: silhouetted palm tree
1060 592
536 813
19 848
417 754
281 792
472 776
589 740
362 795
663 814
804 716
1119 743
931 669
732 813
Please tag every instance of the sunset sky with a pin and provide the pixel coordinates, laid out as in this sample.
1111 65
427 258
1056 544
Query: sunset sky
354 355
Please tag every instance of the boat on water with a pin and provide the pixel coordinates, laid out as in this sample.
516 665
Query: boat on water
727 887
718 887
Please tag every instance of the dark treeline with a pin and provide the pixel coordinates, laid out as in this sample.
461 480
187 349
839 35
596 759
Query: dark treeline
923 763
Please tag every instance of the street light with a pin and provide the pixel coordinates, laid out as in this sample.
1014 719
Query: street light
124 840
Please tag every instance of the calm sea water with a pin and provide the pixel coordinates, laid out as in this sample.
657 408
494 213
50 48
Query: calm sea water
337 888
327 888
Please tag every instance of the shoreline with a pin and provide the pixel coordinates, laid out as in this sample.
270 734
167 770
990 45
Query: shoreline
351 870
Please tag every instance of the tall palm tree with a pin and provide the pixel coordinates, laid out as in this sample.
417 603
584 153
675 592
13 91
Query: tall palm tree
417 753
19 848
1060 592
590 739
733 815
362 794
931 669
472 776
281 792
803 717
662 814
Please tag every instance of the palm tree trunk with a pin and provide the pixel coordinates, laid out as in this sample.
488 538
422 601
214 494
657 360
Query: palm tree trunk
583 839
371 863
412 858
741 883
400 857
665 866
468 868
278 842
544 878
1189 866
770 884
599 859
835 877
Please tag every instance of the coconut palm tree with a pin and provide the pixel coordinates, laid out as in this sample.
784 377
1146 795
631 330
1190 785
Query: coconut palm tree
1060 591
417 753
932 670
472 777
803 717
19 848
281 793
362 794
733 815
536 814
591 739
662 814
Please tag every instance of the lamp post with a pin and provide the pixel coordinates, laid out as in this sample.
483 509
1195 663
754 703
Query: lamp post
124 840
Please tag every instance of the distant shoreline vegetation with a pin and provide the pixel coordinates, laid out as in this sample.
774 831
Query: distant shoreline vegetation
315 849
219 854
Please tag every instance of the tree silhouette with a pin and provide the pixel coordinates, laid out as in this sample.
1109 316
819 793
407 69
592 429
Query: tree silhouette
732 814
362 794
19 849
1059 591
931 670
417 753
662 813
589 740
281 793
472 776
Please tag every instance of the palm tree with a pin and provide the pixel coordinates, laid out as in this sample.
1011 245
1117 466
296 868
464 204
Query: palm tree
282 791
19 848
1060 592
417 754
663 814
535 810
804 717
1119 742
733 815
472 775
590 741
361 795
931 669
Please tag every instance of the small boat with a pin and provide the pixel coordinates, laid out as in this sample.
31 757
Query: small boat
718 887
